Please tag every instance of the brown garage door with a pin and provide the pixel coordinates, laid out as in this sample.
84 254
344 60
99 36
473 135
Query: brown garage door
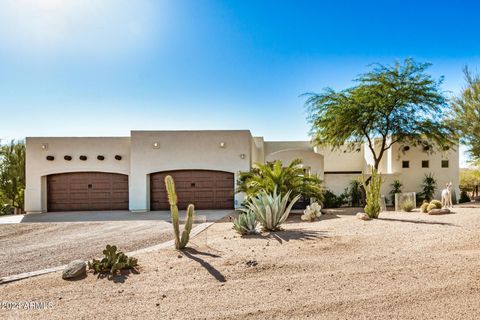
81 191
204 188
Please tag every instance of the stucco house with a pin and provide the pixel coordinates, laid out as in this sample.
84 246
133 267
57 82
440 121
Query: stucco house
126 173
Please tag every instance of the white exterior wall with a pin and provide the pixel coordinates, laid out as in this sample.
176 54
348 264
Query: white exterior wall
311 160
342 160
37 167
184 150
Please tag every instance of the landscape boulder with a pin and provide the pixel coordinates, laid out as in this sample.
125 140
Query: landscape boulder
362 216
439 211
75 269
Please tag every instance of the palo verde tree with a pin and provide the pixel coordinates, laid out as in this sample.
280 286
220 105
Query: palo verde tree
388 105
466 114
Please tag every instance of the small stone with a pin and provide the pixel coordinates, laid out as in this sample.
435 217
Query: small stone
164 296
74 269
289 290
179 256
157 304
362 216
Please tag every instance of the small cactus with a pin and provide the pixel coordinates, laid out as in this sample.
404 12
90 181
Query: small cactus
112 262
180 242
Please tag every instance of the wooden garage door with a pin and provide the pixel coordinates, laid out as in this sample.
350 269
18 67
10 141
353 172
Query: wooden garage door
205 189
87 191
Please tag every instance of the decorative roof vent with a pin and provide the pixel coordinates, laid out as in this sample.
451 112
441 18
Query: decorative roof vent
101 158
50 158
83 158
68 158
117 157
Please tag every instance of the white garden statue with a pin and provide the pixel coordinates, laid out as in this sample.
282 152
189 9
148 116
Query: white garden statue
311 212
447 196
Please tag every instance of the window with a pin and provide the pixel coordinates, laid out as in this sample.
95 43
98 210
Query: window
425 164
444 163
405 164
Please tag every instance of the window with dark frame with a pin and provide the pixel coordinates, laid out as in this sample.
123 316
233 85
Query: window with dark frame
444 163
425 164
405 164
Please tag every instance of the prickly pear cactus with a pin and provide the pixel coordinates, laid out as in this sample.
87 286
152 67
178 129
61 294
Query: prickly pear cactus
180 242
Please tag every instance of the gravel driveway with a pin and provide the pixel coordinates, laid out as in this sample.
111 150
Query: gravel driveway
28 247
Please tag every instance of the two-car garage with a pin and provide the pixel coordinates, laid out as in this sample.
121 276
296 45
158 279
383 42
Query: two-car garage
92 191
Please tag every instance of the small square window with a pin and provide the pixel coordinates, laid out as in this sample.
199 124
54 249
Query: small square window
405 164
444 163
425 164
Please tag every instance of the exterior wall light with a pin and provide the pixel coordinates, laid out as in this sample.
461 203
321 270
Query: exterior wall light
156 145
406 148
44 146
223 145
117 157
101 158
50 158
83 158
68 158
242 156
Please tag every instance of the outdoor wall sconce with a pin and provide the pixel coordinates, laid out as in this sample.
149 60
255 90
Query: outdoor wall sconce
156 145
83 158
406 148
101 158
223 145
242 156
68 158
117 157
44 146
50 158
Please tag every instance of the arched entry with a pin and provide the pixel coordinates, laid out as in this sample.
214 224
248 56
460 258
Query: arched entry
206 189
87 191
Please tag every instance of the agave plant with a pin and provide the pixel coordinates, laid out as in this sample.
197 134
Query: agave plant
246 223
271 209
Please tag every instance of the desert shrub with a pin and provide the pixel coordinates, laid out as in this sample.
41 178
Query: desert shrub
464 197
429 186
396 188
437 204
271 209
246 223
424 207
330 200
6 209
373 196
353 193
407 205
311 212
112 262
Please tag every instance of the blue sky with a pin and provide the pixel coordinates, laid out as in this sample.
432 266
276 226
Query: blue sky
104 67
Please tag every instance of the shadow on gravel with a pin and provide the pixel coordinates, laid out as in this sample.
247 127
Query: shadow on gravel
287 235
120 277
193 254
420 222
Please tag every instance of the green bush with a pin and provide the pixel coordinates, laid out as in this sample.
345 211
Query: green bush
407 205
373 196
246 223
112 262
424 207
464 197
437 204
429 186
330 200
396 188
354 194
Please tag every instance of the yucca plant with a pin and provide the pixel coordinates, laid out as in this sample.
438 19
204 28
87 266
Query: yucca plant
246 223
373 196
429 186
271 209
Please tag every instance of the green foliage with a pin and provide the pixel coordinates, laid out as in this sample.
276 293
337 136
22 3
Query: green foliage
180 242
272 175
469 179
246 223
464 197
437 204
333 201
396 188
6 209
354 193
466 114
429 186
407 205
271 209
389 104
373 208
424 207
112 262
12 174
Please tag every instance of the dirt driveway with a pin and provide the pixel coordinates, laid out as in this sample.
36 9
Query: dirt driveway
28 247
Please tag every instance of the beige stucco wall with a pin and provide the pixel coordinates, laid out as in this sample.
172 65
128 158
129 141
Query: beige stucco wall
342 160
184 150
312 160
37 167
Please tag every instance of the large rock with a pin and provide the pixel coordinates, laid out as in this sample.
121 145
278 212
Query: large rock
439 211
362 216
76 268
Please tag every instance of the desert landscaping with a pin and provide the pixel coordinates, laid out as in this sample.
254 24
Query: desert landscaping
402 265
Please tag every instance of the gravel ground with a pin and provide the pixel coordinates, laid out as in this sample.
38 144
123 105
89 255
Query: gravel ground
401 266
28 247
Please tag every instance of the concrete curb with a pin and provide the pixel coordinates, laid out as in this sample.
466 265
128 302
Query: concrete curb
195 231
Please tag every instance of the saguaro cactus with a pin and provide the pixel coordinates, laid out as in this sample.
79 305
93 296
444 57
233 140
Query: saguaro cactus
180 242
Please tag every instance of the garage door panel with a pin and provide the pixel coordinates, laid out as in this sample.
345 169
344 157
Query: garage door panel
86 191
206 189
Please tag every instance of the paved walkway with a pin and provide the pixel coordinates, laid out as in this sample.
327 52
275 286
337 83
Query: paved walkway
88 216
